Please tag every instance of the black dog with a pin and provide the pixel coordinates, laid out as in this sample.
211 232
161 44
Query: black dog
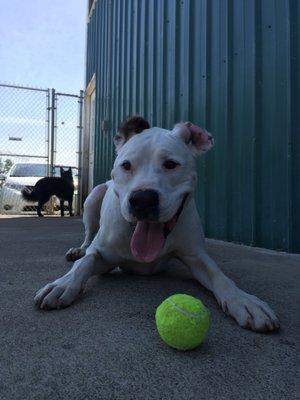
62 187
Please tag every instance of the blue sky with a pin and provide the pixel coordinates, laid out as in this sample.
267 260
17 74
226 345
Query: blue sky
42 43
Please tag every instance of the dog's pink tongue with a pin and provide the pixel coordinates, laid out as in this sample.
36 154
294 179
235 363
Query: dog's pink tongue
147 241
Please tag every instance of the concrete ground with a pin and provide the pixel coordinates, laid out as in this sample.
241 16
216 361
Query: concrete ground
105 346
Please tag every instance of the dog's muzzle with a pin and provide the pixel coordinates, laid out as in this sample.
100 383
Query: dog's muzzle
148 236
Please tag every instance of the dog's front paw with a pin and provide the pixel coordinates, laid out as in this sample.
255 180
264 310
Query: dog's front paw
58 294
74 253
250 312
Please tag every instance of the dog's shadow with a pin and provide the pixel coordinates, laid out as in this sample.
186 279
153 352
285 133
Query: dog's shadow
175 278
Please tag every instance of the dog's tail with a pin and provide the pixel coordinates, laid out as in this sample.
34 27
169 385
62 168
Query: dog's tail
28 194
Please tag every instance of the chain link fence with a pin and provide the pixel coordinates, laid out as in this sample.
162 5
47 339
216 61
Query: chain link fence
40 132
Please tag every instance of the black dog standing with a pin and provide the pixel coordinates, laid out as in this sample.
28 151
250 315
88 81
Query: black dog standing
62 187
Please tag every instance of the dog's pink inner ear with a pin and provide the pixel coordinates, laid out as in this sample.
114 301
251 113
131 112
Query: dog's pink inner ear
197 136
119 140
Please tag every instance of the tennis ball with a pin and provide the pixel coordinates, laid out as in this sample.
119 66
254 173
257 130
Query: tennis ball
182 321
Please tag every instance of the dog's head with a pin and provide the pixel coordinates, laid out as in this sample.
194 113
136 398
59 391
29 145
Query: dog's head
66 174
153 174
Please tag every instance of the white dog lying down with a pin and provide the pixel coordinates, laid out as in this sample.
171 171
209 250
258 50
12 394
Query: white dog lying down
148 215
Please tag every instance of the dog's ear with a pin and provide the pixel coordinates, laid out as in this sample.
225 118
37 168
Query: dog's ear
132 125
196 138
119 140
128 128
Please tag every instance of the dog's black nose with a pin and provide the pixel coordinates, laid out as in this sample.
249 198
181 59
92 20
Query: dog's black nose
144 204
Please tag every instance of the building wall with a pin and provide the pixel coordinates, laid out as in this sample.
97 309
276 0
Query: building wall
229 65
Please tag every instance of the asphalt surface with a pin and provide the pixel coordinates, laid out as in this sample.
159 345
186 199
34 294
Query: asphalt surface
105 346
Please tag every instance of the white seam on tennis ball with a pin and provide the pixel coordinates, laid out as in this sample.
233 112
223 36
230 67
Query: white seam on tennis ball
186 313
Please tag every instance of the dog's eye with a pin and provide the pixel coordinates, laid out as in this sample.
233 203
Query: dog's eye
126 165
170 164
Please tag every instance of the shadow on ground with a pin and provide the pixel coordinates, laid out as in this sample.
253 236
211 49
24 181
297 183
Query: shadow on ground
105 346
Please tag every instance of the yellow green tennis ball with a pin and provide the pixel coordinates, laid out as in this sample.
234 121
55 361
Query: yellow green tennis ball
182 321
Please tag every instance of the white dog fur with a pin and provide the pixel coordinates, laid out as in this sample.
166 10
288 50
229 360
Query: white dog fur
111 245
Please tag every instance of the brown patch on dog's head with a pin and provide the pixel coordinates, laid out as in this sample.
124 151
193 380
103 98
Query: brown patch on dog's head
134 124
128 128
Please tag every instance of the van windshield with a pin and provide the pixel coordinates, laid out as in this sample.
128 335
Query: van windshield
36 170
23 170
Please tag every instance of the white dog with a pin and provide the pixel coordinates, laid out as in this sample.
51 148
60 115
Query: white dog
148 215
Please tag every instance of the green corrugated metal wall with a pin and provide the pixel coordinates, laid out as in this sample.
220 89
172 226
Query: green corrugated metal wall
229 65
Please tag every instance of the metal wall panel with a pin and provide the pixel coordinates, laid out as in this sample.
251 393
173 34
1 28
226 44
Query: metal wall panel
229 65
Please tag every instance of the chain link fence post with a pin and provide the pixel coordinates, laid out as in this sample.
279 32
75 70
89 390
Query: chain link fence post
51 203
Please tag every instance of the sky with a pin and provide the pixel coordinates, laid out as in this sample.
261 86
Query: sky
42 43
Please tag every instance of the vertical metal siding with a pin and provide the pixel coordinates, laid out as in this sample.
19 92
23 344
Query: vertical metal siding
230 65
294 137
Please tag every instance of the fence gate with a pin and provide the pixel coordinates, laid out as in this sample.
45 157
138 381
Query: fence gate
40 131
